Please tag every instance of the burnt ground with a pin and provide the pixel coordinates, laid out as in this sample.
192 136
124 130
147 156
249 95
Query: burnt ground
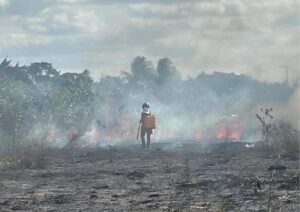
187 177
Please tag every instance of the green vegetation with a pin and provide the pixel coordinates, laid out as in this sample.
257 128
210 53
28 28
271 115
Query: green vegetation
36 99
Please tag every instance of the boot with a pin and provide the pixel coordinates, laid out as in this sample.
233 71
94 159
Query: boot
143 144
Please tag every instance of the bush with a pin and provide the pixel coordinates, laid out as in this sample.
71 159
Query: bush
32 155
285 138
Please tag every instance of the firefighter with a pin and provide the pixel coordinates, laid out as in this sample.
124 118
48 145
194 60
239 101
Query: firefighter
144 130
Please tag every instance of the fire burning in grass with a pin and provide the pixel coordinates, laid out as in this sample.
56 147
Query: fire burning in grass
227 127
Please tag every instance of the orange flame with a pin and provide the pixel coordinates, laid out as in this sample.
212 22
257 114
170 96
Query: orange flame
225 129
234 135
221 134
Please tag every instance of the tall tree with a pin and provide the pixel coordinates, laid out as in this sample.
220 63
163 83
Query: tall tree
166 70
142 69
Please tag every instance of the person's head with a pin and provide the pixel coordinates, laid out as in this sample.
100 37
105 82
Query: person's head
145 106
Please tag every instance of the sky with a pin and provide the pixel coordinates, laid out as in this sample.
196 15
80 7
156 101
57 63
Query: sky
255 37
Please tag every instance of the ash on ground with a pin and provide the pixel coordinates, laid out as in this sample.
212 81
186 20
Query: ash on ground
186 177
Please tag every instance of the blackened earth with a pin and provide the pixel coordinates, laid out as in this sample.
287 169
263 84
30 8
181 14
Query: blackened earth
181 176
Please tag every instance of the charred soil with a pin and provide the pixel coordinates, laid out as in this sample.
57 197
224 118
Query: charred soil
168 177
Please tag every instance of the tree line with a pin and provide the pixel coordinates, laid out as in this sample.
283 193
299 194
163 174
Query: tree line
36 97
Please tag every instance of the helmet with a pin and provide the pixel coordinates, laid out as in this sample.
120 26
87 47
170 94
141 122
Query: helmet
145 105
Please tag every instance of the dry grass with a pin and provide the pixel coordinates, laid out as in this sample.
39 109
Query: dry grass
285 138
30 156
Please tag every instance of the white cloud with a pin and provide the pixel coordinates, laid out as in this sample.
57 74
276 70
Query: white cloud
4 3
245 36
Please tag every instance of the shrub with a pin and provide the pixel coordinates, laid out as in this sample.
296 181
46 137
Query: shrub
285 137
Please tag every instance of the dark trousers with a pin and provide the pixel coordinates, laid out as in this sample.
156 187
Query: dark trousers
145 131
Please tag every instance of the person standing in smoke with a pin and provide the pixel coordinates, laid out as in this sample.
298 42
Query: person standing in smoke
147 124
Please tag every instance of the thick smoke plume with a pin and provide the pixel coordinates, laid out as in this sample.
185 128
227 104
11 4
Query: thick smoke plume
41 104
